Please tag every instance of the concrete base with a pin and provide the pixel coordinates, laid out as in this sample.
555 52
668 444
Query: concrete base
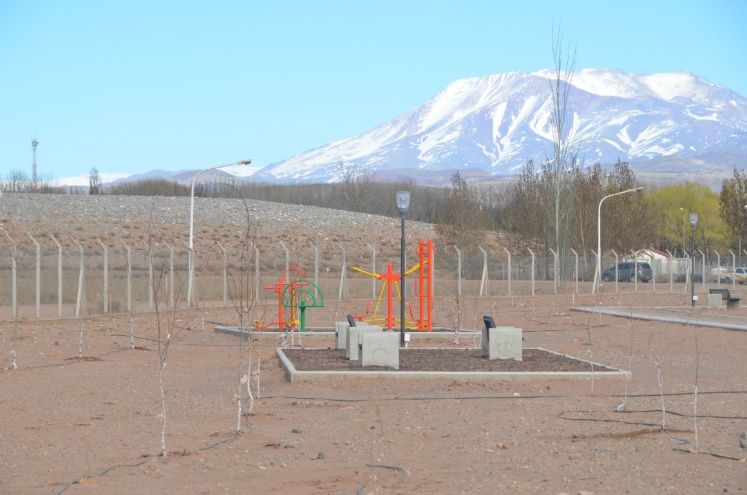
714 300
295 376
380 349
353 339
341 334
502 343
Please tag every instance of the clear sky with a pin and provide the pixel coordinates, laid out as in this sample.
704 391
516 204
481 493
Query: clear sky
134 85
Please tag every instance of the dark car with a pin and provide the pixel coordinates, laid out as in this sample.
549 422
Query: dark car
627 271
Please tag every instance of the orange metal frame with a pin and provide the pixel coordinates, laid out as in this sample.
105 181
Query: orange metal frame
424 322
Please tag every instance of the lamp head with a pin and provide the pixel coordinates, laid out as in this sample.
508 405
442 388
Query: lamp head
693 220
403 201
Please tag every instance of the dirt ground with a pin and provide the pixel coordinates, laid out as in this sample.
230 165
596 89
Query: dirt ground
93 425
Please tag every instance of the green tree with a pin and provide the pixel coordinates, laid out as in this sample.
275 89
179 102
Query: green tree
674 204
733 201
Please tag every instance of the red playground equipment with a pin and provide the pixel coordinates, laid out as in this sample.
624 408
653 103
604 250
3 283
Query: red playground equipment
295 294
424 267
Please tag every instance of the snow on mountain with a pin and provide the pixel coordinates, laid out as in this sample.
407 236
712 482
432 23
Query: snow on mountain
82 180
496 123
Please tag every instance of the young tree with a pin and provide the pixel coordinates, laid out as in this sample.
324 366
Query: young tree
457 223
94 182
563 156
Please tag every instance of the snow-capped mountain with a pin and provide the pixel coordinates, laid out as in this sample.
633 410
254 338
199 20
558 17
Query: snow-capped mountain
496 123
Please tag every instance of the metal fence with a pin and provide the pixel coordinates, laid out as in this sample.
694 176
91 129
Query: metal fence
75 277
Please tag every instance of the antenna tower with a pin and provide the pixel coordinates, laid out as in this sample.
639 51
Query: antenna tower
34 144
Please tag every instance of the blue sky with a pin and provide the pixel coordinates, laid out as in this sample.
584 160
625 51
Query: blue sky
135 86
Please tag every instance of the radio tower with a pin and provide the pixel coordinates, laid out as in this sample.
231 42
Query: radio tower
34 144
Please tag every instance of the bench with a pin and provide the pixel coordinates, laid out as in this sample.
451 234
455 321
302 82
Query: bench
731 300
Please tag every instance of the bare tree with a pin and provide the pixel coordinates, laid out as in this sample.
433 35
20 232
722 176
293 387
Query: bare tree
166 329
563 156
94 182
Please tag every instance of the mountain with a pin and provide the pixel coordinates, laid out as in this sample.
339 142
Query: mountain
665 123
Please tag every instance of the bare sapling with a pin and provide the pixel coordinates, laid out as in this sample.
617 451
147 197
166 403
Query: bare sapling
695 393
242 300
165 329
590 350
131 325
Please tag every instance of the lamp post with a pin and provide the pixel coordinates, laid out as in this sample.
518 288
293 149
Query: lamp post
598 274
693 226
403 205
684 230
190 278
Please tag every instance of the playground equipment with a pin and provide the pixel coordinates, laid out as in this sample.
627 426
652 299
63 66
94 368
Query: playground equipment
295 295
424 267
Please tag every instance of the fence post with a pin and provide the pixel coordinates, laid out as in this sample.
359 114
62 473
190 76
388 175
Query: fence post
13 283
37 247
508 253
575 271
343 293
554 271
703 266
459 271
225 274
718 269
733 269
151 295
484 278
129 277
81 278
532 253
671 264
171 275
316 265
256 274
287 257
59 276
373 270
106 275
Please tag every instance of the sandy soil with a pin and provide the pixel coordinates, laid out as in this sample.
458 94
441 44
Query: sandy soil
93 426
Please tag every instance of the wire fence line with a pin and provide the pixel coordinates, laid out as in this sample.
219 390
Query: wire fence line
89 278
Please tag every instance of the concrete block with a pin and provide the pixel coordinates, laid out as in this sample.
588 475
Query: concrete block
353 339
380 349
341 334
714 300
502 343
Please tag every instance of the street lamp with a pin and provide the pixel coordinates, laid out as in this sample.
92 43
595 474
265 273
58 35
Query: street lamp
403 205
693 226
190 278
598 274
684 230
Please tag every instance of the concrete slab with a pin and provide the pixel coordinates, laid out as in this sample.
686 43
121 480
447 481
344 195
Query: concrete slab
380 349
341 334
714 300
295 376
660 314
351 349
502 343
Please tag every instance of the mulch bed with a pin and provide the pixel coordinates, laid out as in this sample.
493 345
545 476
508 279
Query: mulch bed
439 360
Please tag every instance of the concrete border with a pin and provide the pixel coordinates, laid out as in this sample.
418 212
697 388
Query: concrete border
296 376
647 316
331 332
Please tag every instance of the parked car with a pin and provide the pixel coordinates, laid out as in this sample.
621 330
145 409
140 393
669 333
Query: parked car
740 275
720 273
626 272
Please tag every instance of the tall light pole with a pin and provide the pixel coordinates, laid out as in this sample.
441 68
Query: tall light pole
190 278
403 205
684 230
598 274
693 226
